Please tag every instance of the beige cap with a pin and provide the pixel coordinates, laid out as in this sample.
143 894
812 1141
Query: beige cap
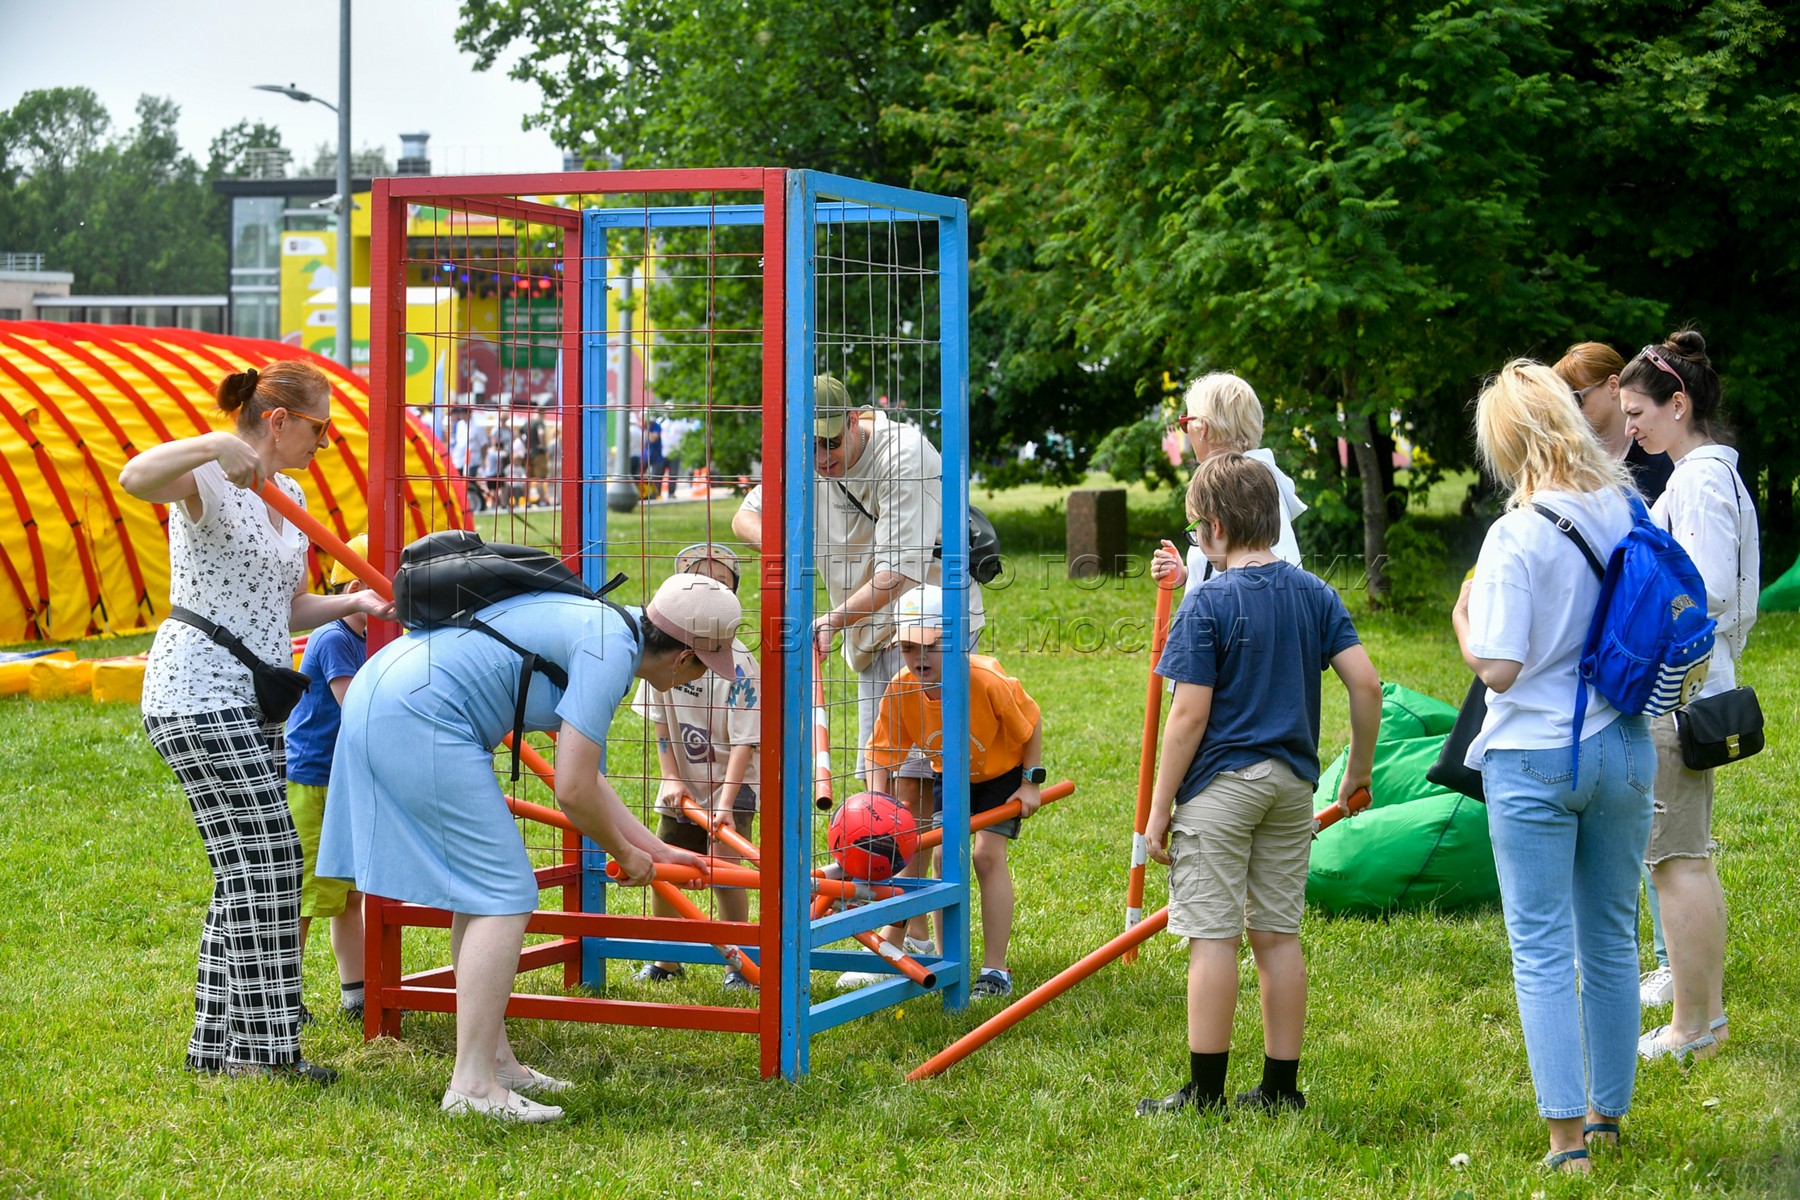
701 613
919 615
341 573
831 406
689 557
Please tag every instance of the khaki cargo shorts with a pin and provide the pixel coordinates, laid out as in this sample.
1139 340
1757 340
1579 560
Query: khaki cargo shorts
1682 801
1239 852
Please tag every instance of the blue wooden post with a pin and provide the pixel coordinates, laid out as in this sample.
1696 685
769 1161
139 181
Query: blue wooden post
596 447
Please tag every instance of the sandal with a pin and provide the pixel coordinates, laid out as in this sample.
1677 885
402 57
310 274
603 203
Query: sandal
1602 1130
1555 1162
1655 1045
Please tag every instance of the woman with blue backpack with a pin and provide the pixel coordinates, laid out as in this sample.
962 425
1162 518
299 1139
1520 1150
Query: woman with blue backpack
1568 828
1670 396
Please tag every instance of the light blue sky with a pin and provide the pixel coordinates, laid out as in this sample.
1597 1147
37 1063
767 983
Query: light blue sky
406 72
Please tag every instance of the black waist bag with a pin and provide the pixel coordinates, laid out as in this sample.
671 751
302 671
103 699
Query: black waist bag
447 576
1449 770
278 689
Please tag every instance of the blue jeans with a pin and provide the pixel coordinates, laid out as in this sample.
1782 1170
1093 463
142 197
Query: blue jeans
1568 861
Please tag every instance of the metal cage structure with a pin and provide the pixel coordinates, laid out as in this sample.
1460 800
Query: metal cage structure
560 249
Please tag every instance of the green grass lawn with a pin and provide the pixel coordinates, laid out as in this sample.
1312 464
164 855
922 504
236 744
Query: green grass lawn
1413 1055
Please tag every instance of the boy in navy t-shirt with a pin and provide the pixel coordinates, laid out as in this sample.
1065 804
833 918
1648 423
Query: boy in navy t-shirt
1231 813
334 653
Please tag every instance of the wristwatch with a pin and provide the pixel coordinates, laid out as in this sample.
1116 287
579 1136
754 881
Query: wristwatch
1036 775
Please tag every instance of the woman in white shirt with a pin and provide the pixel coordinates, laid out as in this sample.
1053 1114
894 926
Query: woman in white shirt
1221 415
237 564
1566 841
1670 396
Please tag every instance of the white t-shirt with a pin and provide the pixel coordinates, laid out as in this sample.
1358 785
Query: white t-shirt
234 568
1286 547
1532 601
1707 509
705 719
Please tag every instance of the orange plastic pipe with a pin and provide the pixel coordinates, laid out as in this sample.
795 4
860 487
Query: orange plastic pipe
687 908
722 832
1153 693
306 523
995 816
1041 995
717 873
821 719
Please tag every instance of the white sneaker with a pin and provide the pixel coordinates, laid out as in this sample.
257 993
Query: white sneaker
507 1106
920 947
850 980
1657 988
530 1080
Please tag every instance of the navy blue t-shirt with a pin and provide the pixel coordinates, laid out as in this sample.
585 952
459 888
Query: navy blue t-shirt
1259 637
332 652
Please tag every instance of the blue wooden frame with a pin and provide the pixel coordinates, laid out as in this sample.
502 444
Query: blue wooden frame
813 199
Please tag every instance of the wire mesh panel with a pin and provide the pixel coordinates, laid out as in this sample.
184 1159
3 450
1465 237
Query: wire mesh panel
614 361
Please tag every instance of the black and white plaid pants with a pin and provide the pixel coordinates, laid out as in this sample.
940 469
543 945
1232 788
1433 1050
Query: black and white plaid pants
247 999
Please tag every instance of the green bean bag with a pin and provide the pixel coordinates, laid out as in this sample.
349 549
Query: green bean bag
1784 594
1418 845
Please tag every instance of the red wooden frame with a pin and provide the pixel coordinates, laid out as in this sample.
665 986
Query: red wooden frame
389 992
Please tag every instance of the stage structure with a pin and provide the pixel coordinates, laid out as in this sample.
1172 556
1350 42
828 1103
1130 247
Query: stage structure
752 282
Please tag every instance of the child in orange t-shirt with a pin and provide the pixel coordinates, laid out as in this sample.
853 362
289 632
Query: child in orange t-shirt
1006 750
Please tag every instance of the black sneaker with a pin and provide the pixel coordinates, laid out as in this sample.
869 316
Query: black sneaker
991 985
352 1013
1186 1098
300 1069
656 973
1268 1102
306 1017
735 982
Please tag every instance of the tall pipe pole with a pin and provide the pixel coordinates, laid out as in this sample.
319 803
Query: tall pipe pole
344 257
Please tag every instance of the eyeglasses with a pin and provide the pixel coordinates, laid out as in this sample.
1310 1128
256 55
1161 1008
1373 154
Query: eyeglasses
1657 361
1193 530
323 426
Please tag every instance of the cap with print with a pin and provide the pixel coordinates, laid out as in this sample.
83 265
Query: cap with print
919 615
689 557
701 613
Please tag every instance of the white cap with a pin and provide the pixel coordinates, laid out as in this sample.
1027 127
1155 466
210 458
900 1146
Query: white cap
701 613
919 615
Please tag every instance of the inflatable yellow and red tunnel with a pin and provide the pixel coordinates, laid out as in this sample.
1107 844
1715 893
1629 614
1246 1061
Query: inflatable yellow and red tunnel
80 558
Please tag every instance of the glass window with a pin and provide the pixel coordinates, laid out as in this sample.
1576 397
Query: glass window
160 315
256 231
256 314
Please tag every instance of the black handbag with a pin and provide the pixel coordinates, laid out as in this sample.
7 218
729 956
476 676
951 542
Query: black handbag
278 689
1721 729
1726 728
1449 770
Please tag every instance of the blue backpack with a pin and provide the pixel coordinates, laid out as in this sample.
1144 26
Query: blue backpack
1650 642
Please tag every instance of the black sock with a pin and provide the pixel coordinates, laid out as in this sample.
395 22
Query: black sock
1206 1076
1281 1076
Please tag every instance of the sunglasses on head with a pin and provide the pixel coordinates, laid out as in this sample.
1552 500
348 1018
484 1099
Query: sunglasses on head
1656 360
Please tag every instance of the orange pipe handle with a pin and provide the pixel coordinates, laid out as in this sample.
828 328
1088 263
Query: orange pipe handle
306 523
1067 978
1334 812
994 816
740 961
1153 694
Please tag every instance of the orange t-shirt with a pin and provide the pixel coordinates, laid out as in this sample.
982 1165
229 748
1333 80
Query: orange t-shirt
1001 718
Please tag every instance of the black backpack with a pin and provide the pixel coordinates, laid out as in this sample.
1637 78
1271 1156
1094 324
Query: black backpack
447 576
984 540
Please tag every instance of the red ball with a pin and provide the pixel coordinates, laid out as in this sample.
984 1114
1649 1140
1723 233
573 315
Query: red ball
873 836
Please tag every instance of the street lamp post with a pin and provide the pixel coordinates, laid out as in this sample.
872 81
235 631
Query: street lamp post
344 204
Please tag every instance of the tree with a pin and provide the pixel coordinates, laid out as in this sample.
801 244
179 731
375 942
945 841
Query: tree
230 153
132 215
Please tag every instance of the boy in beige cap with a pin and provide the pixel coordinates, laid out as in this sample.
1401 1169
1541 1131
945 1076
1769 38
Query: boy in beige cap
707 731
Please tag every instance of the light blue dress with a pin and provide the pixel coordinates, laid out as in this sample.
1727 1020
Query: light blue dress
415 811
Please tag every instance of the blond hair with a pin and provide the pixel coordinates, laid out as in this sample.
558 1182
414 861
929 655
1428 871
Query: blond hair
1229 409
1241 496
1532 436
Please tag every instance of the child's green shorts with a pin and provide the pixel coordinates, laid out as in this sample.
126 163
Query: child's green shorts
318 897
